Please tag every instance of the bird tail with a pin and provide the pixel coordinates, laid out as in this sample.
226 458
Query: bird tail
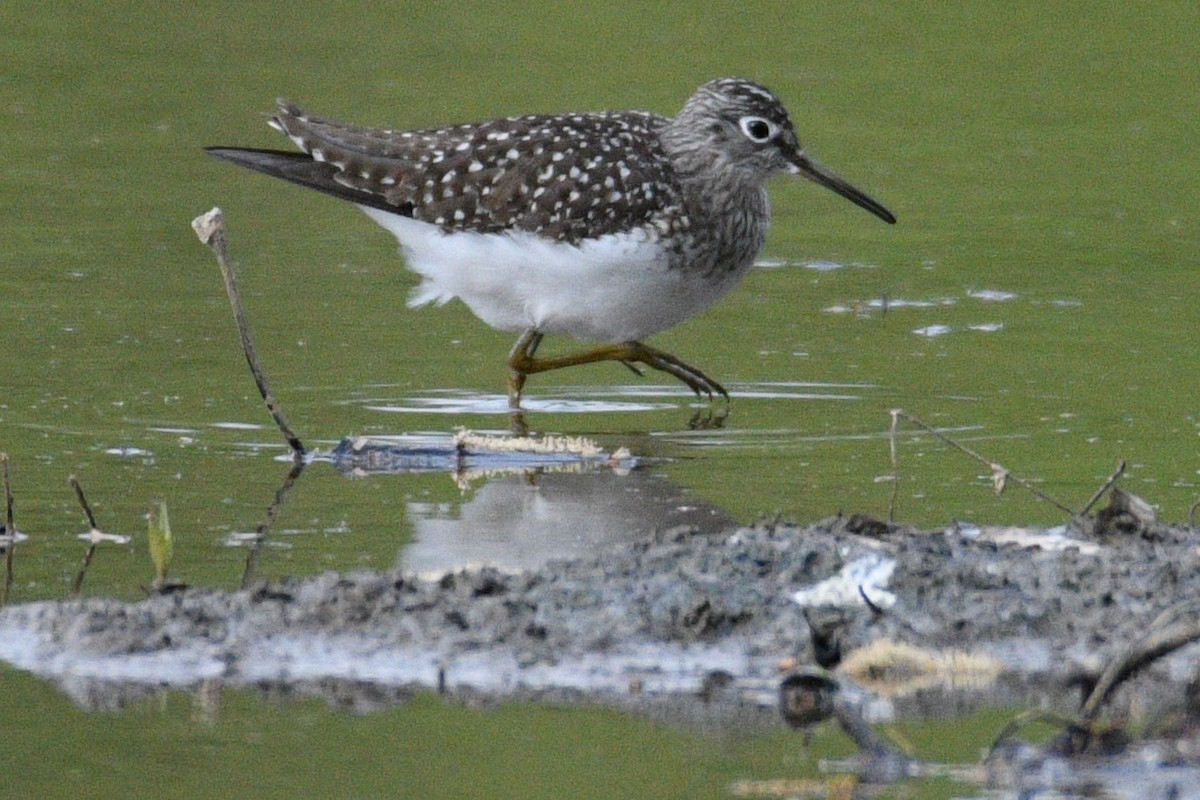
302 170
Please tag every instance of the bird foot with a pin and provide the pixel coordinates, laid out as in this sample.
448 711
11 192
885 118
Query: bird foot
523 363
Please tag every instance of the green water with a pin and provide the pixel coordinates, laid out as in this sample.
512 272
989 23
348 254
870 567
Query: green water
1044 151
221 744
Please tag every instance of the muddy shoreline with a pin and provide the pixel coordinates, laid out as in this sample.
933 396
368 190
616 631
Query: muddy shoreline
684 623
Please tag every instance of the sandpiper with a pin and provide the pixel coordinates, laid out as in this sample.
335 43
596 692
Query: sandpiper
607 226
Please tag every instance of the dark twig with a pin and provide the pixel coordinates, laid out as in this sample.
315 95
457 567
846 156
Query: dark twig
210 228
264 527
826 631
1104 487
83 503
77 584
10 530
1000 474
8 497
876 611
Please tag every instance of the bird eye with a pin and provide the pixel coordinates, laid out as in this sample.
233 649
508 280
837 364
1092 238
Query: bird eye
757 129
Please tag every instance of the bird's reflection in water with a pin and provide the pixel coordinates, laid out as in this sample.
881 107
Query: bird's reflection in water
521 521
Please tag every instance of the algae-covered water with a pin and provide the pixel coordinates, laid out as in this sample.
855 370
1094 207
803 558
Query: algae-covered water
1036 301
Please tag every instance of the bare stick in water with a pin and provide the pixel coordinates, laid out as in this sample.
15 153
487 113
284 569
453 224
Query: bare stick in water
8 497
9 529
77 584
210 227
264 527
1000 474
1104 487
83 503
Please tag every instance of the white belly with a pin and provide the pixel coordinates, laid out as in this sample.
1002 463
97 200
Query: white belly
613 289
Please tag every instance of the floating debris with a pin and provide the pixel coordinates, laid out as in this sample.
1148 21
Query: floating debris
96 536
930 331
127 451
888 304
7 538
468 455
991 295
817 266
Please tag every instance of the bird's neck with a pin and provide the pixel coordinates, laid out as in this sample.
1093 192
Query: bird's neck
726 203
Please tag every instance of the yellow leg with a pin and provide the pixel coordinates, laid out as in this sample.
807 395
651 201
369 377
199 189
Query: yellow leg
522 363
521 354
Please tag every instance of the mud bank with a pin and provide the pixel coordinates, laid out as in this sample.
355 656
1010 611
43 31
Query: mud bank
924 621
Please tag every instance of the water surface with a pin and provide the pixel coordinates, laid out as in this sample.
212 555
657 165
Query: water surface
1036 300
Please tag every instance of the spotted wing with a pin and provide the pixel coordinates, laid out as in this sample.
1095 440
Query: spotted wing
563 177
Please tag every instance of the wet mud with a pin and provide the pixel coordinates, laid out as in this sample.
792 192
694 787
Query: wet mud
664 614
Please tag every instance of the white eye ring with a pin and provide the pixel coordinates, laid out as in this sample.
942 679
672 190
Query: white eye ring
757 129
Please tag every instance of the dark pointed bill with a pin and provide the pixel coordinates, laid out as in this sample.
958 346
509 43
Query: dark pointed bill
819 174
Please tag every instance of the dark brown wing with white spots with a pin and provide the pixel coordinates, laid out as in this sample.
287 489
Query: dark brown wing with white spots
566 177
